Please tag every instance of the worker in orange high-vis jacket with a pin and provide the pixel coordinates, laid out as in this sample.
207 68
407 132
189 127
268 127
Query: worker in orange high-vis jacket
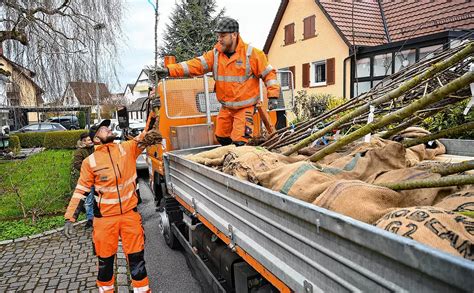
112 170
237 68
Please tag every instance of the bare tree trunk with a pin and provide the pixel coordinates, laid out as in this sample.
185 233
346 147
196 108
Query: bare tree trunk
448 169
450 132
405 87
399 115
430 183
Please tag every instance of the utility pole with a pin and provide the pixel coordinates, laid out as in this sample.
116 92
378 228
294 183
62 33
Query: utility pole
97 28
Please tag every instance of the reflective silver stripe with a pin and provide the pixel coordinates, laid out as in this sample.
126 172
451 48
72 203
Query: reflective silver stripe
114 200
122 151
247 66
92 161
185 68
103 289
203 63
241 104
216 56
271 82
267 71
141 289
78 195
231 78
83 188
114 188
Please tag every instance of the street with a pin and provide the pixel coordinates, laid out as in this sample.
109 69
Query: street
167 269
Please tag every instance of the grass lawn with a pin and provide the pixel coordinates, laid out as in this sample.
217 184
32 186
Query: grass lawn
13 229
35 187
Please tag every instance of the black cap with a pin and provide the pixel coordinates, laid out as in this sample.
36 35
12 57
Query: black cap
227 25
95 127
83 135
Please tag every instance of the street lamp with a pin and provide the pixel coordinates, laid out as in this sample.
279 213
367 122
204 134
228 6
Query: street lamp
97 27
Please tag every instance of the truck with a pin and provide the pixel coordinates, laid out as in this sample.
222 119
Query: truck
241 237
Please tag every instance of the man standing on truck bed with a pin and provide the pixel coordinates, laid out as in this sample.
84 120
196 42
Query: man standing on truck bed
237 68
111 169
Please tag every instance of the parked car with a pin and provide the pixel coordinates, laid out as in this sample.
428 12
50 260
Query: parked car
134 129
69 122
41 127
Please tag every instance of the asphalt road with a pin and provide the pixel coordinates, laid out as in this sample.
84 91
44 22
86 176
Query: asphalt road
167 269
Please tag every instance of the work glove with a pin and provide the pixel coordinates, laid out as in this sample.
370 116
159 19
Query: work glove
161 73
68 229
272 103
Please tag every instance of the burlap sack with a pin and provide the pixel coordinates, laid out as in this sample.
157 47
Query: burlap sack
362 165
215 157
302 180
461 201
418 153
414 197
358 200
257 160
433 226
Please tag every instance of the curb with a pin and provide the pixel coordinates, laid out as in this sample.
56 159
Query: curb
46 233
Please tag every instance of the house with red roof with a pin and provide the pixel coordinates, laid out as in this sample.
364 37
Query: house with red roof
345 47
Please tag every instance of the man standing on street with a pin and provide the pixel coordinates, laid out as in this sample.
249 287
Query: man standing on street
237 68
111 169
85 147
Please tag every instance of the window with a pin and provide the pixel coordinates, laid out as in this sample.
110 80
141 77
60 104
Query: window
318 73
429 52
290 34
284 78
32 127
383 64
361 87
309 27
47 127
363 68
404 59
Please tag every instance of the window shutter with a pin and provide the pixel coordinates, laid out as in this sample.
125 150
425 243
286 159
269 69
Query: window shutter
308 25
292 69
306 75
306 28
289 34
330 71
292 33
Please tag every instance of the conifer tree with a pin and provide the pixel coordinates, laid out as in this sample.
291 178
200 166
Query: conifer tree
191 31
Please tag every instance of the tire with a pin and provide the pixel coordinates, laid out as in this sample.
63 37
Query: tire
165 229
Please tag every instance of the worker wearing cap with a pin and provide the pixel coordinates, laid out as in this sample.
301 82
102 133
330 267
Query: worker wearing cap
237 68
112 170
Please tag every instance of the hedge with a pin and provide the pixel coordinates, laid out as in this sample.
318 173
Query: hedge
14 144
31 139
62 139
51 140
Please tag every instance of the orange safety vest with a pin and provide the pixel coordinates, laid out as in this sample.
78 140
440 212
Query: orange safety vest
111 169
237 77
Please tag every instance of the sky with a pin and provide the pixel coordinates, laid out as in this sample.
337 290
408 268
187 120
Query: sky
255 19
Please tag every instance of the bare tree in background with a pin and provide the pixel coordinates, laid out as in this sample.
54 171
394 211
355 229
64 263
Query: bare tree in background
55 38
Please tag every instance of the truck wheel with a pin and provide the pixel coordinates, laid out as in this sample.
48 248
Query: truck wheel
165 229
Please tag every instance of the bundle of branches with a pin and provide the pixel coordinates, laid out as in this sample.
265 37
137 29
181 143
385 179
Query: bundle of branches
441 81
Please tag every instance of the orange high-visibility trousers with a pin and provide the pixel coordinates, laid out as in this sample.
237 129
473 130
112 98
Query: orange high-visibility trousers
236 124
106 236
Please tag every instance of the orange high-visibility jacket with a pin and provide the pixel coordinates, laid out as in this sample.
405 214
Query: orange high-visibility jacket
111 169
237 77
